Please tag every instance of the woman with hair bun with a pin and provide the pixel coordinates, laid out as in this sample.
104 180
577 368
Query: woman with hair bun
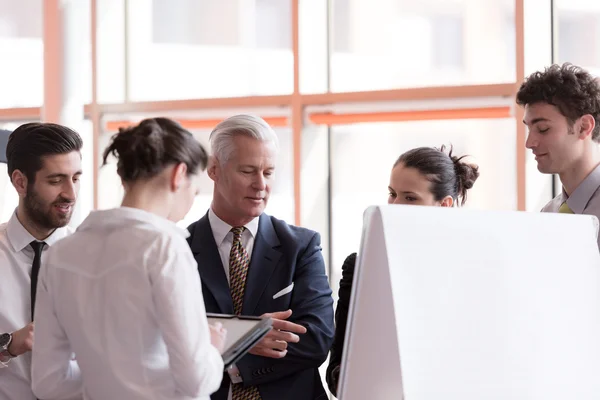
424 176
123 292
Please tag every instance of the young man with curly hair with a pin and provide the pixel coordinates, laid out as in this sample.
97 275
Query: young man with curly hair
562 114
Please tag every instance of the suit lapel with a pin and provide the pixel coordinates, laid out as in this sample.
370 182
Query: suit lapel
263 261
210 266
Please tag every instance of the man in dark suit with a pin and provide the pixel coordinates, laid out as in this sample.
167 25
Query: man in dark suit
254 264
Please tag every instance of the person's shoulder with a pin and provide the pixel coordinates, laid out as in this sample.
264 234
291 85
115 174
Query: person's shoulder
286 230
350 261
67 237
4 237
192 228
166 237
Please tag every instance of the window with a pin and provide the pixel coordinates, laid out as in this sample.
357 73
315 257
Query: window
22 66
313 44
110 49
198 21
209 48
396 44
447 42
578 33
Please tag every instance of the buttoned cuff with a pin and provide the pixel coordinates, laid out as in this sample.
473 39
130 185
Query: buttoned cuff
4 361
234 374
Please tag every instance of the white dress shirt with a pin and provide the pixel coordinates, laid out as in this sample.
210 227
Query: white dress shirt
224 239
16 259
123 293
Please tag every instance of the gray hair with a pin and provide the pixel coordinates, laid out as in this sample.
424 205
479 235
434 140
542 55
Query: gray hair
221 138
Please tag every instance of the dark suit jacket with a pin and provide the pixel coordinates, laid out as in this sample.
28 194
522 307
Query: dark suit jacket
283 254
341 318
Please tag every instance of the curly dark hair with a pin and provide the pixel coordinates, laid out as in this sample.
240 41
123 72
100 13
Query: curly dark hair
573 90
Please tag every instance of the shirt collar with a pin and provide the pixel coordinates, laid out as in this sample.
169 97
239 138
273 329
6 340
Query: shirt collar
20 238
581 196
221 228
115 218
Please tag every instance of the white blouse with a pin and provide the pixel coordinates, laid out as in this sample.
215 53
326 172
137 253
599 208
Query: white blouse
123 293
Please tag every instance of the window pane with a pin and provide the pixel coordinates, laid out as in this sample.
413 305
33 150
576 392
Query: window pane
22 53
110 41
313 46
579 33
383 44
281 203
363 155
183 49
314 182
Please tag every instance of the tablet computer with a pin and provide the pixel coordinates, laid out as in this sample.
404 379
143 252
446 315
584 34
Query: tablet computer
243 332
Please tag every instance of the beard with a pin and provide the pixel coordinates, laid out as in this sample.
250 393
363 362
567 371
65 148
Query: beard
41 213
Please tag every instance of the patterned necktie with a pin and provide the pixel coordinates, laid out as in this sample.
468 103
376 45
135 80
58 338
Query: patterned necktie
238 271
35 270
565 209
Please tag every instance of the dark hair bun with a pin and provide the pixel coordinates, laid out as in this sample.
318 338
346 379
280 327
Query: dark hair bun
139 150
466 173
144 150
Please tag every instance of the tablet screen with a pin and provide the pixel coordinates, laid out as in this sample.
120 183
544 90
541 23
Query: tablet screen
236 328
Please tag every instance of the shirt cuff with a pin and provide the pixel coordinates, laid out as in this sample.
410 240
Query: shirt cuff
234 374
4 361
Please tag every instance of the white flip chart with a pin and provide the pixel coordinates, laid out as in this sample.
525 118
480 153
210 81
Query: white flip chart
459 304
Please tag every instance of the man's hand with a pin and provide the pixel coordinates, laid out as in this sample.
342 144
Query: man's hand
274 344
22 341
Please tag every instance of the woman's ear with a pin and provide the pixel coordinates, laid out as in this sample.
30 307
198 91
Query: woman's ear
447 201
178 176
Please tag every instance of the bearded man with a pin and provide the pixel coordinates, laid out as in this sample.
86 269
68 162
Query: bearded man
44 166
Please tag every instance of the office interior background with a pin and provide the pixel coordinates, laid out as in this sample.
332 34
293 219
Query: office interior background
348 85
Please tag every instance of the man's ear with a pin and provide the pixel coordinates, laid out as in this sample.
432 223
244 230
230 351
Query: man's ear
213 170
20 182
587 123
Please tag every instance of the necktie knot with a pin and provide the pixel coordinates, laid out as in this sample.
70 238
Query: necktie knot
237 233
37 247
565 209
